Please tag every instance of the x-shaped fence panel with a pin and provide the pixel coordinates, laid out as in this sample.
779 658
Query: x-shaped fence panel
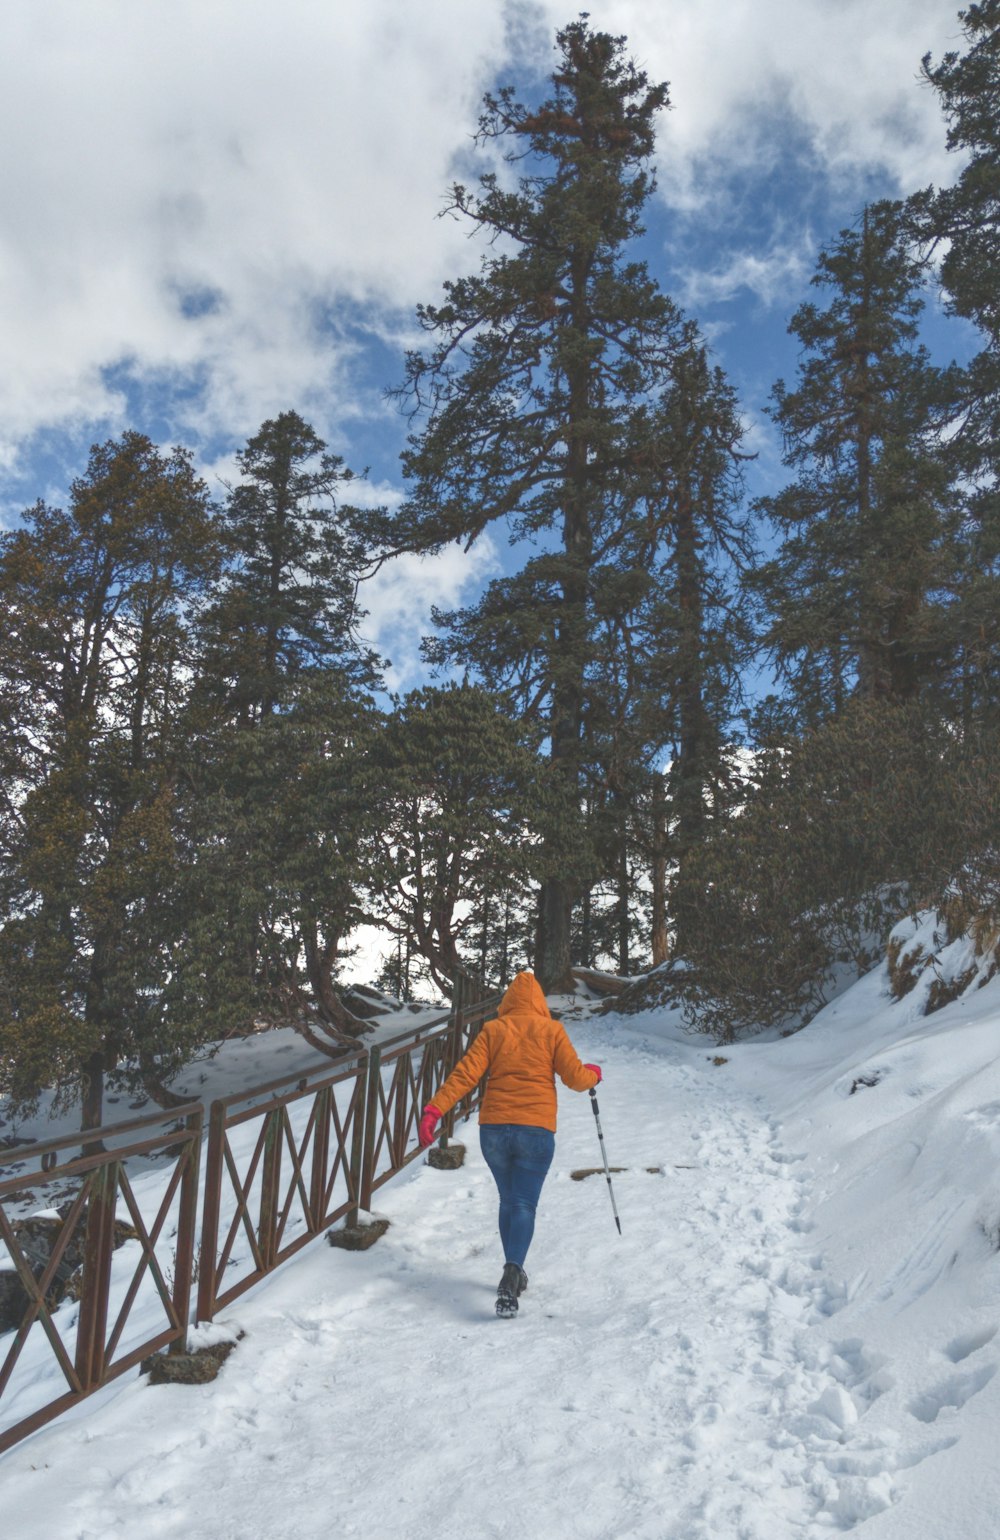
277 1174
102 1277
402 1078
105 1278
401 1081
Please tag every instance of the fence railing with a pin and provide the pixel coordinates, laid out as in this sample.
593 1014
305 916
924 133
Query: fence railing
112 1279
276 1174
105 1281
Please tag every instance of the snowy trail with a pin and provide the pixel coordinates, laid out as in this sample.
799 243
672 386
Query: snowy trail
660 1385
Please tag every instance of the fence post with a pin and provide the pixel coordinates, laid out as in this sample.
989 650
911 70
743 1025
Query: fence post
270 1180
98 1248
372 1100
209 1253
399 1089
459 1000
187 1220
321 1157
430 1058
359 1102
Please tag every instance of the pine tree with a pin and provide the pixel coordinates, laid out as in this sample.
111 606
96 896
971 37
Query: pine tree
667 636
858 592
287 608
96 663
967 214
527 391
962 223
460 800
691 637
283 778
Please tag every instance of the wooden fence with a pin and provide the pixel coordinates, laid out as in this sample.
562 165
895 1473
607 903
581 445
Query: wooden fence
107 1277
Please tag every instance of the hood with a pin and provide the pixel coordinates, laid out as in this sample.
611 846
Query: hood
524 994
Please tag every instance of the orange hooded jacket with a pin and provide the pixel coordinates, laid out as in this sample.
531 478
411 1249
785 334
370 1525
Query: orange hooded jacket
523 1048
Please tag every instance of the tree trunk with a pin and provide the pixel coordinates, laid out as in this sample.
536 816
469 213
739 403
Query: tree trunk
690 770
319 971
155 1088
624 926
335 1046
505 951
484 940
660 937
586 941
872 660
92 1100
553 963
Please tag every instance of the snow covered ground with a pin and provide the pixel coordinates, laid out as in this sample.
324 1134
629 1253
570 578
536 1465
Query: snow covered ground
795 1335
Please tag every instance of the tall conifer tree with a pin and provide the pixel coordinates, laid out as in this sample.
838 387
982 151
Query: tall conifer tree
96 662
963 222
535 367
967 214
693 633
859 589
453 841
284 681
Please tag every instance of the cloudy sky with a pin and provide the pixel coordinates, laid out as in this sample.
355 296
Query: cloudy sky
213 210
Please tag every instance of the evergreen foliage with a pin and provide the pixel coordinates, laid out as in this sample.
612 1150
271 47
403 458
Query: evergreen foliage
462 803
857 596
692 636
287 606
529 390
187 771
962 223
96 663
967 214
848 826
200 801
284 770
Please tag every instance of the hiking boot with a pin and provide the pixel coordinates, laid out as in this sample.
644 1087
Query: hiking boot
508 1289
523 1281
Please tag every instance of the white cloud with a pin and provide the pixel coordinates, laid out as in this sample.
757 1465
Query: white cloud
189 184
400 596
192 189
372 494
845 71
768 276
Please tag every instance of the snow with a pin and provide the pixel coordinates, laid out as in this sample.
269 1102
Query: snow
796 1334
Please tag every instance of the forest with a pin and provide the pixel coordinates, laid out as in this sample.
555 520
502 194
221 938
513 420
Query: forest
205 789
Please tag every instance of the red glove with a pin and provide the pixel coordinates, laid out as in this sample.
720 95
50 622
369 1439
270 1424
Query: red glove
597 1071
429 1121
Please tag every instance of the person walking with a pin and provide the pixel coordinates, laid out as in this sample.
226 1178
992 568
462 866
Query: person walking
522 1049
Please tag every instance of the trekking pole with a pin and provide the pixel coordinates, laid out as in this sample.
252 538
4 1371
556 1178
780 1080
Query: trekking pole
604 1154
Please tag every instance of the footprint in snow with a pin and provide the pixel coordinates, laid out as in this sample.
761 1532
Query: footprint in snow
971 1342
951 1394
987 1116
706 1427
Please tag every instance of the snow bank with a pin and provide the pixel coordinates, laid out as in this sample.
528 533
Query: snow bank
897 1117
797 1334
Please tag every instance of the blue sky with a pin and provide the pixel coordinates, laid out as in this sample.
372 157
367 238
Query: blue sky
214 210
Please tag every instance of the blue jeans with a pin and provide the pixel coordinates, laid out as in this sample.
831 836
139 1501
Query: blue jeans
519 1156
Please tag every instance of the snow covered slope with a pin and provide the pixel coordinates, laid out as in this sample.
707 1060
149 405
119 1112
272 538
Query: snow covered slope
795 1335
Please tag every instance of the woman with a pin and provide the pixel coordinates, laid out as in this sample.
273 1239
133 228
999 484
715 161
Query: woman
523 1048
